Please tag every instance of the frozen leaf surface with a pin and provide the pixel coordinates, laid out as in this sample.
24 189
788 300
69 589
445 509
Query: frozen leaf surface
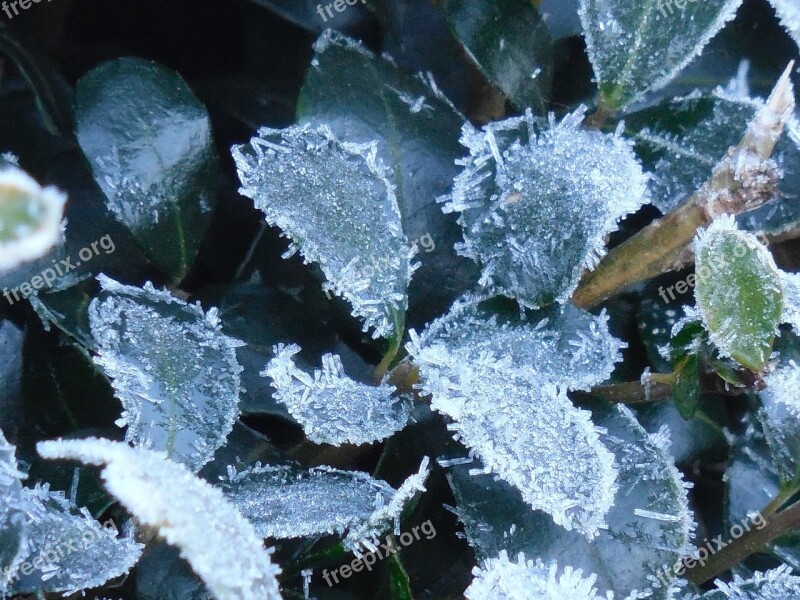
504 579
331 407
649 525
777 584
285 502
636 47
175 373
738 292
13 535
335 202
789 14
536 200
31 218
780 417
188 512
791 299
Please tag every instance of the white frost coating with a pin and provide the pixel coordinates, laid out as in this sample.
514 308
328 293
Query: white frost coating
284 502
788 12
636 47
503 579
335 202
174 371
331 407
537 200
13 536
791 300
221 546
562 345
780 417
31 218
777 584
528 434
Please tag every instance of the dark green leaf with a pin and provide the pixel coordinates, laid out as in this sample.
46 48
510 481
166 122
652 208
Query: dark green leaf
686 391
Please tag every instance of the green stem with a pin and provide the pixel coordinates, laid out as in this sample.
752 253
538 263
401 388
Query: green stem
394 348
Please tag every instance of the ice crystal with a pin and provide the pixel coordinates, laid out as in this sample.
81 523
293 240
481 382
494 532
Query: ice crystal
777 584
285 502
738 292
175 373
188 512
13 535
788 12
335 202
637 47
562 345
504 579
537 200
31 218
780 417
68 549
331 407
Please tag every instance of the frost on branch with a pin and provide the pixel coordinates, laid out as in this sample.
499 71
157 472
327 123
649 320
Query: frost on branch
562 345
780 417
331 407
13 535
777 584
72 550
188 512
537 200
174 371
739 293
335 202
285 502
635 48
31 218
504 579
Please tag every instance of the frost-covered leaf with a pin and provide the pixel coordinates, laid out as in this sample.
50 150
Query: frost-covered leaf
69 550
560 345
175 373
682 139
13 534
791 299
11 346
788 12
333 200
331 407
363 98
738 292
285 502
777 584
780 417
636 47
31 218
503 579
188 512
510 43
537 200
148 141
649 525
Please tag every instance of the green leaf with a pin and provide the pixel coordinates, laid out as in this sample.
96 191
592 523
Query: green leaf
738 292
399 582
148 141
362 98
649 526
636 47
511 45
686 391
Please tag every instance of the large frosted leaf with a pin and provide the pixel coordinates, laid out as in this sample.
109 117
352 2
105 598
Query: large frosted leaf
69 550
649 525
148 141
738 292
31 218
777 584
561 345
285 502
780 417
537 201
335 203
13 535
175 373
188 512
504 579
636 47
331 407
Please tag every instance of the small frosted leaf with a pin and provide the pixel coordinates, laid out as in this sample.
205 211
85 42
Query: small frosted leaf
529 434
31 218
738 292
777 584
636 47
13 534
335 202
331 407
188 512
562 345
175 373
504 579
69 550
780 417
285 502
788 12
537 201
791 300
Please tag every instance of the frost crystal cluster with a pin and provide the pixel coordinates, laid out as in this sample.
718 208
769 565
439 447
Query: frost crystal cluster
777 584
174 371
